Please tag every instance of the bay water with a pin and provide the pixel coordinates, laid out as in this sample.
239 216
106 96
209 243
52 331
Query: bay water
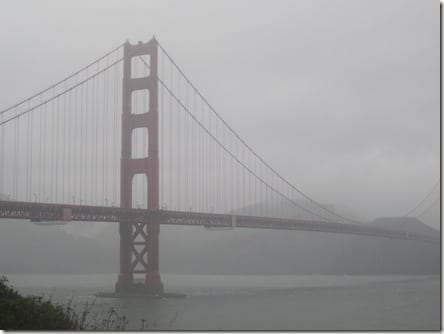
282 302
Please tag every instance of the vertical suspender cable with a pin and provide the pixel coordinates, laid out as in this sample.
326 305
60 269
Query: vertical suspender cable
104 126
15 152
69 157
179 152
115 135
40 178
81 134
64 133
2 158
44 156
186 150
93 150
193 165
51 145
162 136
29 155
57 145
170 142
87 128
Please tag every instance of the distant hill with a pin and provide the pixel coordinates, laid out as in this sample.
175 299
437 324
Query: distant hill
405 224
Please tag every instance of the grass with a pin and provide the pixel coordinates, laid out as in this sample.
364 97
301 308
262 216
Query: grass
19 312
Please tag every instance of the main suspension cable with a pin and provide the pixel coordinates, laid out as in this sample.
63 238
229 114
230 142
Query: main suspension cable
249 148
61 81
60 94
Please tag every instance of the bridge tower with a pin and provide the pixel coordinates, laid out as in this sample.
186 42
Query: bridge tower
139 242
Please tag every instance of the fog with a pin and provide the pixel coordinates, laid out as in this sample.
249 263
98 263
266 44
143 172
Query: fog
347 92
341 97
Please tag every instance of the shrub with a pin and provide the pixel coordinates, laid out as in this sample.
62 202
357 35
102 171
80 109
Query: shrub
31 313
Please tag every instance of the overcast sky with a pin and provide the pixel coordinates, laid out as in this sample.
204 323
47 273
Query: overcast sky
341 97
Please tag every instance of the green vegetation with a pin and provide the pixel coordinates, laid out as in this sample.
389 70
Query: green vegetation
35 313
19 312
31 313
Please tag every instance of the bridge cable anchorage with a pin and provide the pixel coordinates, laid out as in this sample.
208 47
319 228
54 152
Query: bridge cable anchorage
240 163
312 201
424 199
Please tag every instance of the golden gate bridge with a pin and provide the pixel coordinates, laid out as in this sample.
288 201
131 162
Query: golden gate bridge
129 139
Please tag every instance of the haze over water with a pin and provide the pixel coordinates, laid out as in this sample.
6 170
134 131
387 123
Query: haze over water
289 302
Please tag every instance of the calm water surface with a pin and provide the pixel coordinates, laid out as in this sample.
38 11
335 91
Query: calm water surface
301 302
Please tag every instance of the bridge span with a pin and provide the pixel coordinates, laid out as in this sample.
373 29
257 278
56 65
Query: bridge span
44 212
131 130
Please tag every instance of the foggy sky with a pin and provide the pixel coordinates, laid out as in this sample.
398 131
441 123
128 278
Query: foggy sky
341 97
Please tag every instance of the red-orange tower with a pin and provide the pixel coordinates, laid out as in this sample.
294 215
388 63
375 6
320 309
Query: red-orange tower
139 242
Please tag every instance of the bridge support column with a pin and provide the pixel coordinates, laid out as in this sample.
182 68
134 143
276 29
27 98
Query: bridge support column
152 277
139 241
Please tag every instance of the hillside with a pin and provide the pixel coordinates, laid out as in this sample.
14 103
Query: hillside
405 224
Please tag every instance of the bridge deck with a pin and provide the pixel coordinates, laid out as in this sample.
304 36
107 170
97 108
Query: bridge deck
68 212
